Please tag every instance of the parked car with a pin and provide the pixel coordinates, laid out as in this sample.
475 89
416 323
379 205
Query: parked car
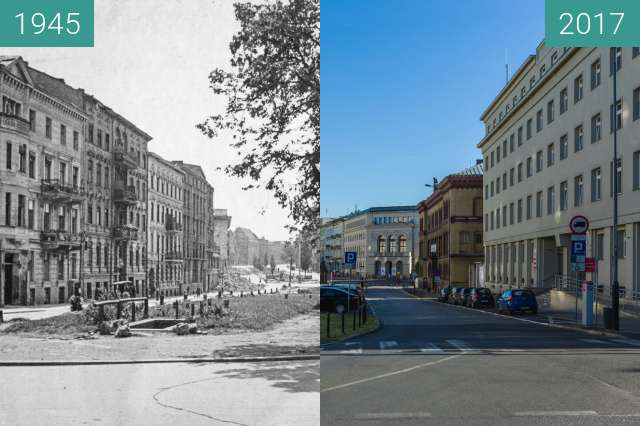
456 294
351 286
452 294
480 297
463 296
337 299
517 300
444 295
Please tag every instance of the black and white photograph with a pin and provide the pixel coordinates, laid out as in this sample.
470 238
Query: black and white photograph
159 217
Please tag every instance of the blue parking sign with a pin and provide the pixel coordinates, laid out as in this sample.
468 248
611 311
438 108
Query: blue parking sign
578 248
350 257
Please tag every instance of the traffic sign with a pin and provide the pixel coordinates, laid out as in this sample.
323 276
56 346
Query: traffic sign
350 257
578 248
579 224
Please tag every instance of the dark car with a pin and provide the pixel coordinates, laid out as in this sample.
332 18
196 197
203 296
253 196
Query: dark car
517 300
480 297
444 295
463 296
456 294
351 286
452 294
337 299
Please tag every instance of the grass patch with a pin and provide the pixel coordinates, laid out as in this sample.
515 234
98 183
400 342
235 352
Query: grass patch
335 326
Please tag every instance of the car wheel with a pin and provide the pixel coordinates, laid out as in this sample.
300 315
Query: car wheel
340 309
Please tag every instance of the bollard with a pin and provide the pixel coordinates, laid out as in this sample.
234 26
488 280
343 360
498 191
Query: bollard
354 320
225 303
201 308
100 313
359 317
133 311
193 310
210 302
175 305
118 310
146 309
252 292
1 316
241 294
286 296
328 321
343 323
364 313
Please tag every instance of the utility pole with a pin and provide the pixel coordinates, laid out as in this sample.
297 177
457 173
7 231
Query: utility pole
615 294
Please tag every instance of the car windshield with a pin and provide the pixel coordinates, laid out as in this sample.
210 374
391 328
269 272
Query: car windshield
484 291
523 293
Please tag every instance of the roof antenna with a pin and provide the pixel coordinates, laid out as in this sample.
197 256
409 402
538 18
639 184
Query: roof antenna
506 64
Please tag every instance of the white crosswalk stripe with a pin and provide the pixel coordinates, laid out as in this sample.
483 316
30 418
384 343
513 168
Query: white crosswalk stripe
459 344
352 351
431 347
387 344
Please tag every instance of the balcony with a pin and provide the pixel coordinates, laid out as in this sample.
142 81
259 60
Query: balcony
173 256
12 122
56 191
54 240
124 159
125 232
172 225
125 196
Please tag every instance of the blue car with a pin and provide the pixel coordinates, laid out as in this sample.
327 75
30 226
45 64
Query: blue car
517 300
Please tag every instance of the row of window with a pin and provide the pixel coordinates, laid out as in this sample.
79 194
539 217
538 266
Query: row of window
165 187
27 165
509 145
161 215
400 244
496 219
385 220
578 145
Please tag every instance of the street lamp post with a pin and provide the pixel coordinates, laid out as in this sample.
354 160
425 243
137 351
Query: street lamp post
615 294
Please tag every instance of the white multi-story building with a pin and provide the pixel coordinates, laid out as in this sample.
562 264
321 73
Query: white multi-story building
384 238
549 156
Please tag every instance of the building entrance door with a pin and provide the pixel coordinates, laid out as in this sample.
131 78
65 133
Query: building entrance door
11 290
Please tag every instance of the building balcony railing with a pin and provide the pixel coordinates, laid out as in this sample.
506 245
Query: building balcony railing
12 122
57 191
124 159
54 239
125 232
126 195
173 256
173 226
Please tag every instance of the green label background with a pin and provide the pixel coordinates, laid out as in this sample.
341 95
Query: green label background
628 34
10 25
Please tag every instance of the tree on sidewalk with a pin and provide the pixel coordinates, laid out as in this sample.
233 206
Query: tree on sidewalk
273 104
273 264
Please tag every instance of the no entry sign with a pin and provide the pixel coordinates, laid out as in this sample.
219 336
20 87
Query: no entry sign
579 225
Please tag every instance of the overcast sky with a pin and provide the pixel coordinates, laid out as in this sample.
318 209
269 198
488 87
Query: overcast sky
150 64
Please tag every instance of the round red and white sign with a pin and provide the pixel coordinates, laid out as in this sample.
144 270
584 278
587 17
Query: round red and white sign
579 224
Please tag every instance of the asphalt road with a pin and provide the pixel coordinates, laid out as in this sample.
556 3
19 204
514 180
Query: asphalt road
432 363
275 393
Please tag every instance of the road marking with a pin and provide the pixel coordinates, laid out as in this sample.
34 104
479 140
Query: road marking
385 344
555 413
351 343
432 348
352 351
392 416
459 344
596 341
392 373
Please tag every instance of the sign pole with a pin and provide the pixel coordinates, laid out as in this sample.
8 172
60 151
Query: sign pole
615 294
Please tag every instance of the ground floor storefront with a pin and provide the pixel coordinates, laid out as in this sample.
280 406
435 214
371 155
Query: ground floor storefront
543 261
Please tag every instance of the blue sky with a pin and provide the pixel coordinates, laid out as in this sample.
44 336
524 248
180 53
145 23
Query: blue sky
404 83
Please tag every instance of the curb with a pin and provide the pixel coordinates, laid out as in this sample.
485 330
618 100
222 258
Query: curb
159 361
594 331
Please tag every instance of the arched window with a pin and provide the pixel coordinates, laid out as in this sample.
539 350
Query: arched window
392 245
381 244
403 244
